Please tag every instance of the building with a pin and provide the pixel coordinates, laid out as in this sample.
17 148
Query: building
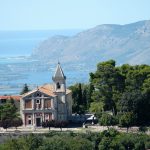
15 98
47 102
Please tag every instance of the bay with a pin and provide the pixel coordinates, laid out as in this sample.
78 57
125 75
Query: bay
18 68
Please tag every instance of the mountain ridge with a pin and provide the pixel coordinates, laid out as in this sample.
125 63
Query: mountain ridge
128 43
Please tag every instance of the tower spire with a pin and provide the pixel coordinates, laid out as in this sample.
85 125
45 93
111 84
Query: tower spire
59 79
59 74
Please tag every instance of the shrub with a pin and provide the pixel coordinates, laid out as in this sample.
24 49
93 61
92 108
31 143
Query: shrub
16 122
140 146
6 123
143 129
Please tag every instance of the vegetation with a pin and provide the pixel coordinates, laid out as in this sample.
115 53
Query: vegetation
81 94
107 120
116 94
106 140
55 123
127 120
9 117
123 91
25 89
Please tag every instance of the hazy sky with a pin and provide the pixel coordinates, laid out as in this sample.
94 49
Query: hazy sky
64 14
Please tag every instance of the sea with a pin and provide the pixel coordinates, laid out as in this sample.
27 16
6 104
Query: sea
16 48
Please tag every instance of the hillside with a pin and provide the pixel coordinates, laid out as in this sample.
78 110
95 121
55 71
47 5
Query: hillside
125 43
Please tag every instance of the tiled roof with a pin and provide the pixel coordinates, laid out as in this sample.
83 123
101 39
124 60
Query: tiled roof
47 89
14 97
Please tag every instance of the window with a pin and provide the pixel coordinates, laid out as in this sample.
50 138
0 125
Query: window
3 101
29 117
37 94
29 122
46 115
58 85
38 101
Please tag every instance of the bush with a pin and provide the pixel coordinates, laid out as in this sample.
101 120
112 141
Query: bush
140 146
55 123
44 124
143 129
127 120
16 122
6 123
107 120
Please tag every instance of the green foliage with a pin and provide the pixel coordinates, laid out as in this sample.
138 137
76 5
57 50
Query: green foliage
9 116
55 123
107 140
143 129
16 122
127 120
55 142
122 89
140 146
81 94
25 89
96 107
107 120
118 89
8 111
107 82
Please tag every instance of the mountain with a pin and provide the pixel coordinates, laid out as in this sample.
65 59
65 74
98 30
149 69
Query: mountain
125 43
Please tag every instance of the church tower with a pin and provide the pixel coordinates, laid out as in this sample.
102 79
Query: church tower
59 80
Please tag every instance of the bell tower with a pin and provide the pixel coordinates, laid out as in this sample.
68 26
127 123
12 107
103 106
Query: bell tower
59 80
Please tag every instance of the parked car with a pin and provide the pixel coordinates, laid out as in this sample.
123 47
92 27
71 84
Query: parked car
91 120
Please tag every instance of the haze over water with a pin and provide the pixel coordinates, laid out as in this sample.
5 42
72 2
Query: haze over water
15 49
16 43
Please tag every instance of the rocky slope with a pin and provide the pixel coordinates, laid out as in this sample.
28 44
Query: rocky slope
125 43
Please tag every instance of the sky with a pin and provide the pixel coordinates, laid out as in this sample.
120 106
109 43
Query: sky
70 14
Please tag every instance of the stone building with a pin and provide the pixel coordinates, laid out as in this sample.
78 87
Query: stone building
47 102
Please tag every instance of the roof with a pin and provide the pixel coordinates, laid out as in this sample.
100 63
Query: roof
59 72
46 89
14 97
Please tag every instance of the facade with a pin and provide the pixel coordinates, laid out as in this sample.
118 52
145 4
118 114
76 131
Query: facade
47 102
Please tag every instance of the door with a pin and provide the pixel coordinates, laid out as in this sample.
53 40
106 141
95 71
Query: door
38 122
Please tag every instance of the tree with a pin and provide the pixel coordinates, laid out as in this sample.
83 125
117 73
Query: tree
6 123
25 89
119 89
50 124
9 115
127 120
140 146
143 129
16 122
105 143
8 111
107 81
60 124
107 120
96 108
81 97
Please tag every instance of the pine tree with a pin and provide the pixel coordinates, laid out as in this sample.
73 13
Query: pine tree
25 89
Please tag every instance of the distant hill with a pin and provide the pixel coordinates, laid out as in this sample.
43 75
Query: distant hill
125 43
